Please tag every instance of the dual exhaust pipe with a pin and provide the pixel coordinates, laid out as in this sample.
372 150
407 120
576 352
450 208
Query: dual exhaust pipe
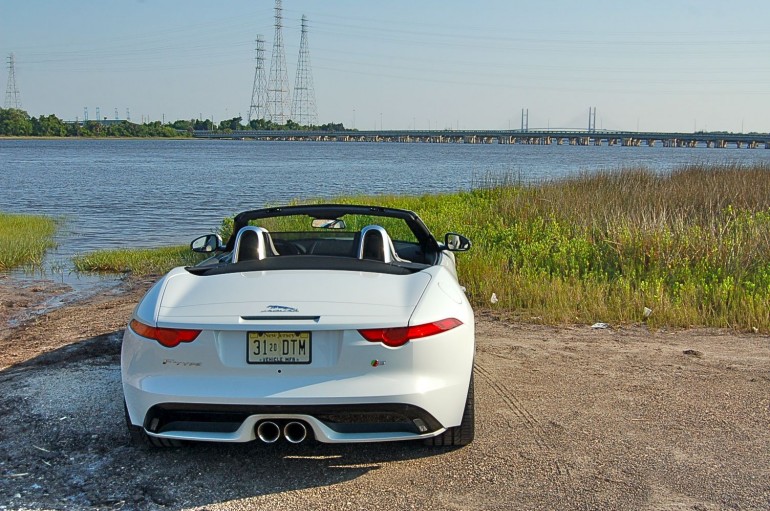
270 432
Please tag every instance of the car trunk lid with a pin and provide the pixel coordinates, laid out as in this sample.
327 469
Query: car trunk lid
323 298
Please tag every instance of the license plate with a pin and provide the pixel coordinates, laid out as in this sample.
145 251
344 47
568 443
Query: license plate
278 348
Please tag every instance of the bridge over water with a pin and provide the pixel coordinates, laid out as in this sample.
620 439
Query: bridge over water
532 137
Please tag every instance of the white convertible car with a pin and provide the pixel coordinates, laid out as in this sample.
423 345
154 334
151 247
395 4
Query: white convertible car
337 323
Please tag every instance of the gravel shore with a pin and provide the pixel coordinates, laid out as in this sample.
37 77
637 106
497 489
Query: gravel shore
567 418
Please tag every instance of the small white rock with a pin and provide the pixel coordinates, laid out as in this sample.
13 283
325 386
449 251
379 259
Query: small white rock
494 298
647 312
600 326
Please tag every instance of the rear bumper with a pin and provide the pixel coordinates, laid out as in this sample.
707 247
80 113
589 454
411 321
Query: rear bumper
206 390
328 423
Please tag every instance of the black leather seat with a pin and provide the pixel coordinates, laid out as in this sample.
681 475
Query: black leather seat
376 245
373 246
248 248
249 244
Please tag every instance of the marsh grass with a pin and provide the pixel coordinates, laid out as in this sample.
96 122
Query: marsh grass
693 245
138 261
24 239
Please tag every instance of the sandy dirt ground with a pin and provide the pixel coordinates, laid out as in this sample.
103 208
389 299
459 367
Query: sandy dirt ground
567 418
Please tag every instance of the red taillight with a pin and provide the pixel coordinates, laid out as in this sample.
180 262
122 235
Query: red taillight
399 336
168 337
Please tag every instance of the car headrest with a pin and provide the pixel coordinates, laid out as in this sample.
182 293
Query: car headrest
375 244
253 243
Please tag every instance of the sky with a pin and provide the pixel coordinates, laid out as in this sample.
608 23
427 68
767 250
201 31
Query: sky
671 65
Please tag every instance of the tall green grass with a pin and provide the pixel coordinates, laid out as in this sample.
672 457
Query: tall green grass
24 239
693 245
138 261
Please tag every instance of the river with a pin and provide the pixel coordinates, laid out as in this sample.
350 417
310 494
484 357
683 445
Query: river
146 193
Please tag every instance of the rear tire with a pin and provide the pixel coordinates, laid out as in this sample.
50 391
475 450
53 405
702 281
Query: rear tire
462 434
139 436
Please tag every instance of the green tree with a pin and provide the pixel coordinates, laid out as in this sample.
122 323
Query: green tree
261 124
93 129
206 125
331 126
48 126
183 125
233 124
15 123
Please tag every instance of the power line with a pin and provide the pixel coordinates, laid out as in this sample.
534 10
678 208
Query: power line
303 107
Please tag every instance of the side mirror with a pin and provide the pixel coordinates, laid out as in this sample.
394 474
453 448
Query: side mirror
456 242
207 244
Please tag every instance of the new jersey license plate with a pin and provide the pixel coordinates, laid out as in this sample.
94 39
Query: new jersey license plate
278 348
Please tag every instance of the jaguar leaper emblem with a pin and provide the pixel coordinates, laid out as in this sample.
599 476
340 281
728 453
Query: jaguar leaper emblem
280 308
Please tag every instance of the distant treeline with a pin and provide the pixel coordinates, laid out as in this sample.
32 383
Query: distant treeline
18 123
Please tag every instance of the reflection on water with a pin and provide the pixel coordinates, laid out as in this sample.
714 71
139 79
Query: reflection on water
146 193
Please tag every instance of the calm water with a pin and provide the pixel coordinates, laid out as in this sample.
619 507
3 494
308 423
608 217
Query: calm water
144 193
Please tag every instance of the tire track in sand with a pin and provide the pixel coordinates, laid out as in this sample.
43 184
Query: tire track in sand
528 419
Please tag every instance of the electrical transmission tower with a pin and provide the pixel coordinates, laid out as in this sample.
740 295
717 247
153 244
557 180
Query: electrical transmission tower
259 90
303 110
278 88
12 96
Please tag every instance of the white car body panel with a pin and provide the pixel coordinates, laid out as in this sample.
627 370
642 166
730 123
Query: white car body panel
339 297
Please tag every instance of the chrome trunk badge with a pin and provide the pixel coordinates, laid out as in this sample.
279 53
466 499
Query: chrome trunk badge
280 308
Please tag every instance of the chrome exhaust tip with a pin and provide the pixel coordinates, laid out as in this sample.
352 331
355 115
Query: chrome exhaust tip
268 431
295 432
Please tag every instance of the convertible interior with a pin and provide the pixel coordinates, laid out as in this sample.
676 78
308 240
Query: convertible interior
372 243
341 237
371 250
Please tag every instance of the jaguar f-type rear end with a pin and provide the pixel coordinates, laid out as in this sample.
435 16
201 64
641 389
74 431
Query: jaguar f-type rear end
358 351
